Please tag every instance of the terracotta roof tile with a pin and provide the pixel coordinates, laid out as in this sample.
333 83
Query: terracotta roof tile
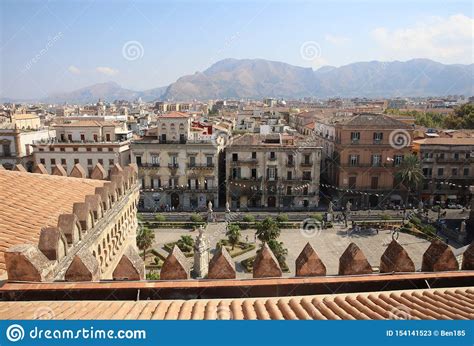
32 201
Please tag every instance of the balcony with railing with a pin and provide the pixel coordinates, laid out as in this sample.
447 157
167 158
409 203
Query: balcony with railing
148 165
240 162
173 165
203 166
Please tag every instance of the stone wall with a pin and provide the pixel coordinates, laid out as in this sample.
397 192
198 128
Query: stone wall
96 241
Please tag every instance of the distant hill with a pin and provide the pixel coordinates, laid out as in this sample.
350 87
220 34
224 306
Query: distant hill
109 91
258 78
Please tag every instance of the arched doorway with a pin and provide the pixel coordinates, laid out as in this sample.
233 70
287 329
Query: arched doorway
174 200
271 202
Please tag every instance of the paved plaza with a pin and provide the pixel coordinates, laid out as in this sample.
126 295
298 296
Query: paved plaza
329 244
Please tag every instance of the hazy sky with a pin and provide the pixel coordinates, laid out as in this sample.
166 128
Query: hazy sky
55 46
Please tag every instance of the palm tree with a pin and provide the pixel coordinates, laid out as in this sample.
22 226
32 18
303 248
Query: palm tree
267 230
278 250
145 238
233 233
410 174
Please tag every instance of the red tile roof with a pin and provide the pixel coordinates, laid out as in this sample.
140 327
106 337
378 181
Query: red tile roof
444 303
32 201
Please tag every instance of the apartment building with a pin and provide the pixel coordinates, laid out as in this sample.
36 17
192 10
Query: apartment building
16 144
274 171
362 153
85 142
448 167
178 164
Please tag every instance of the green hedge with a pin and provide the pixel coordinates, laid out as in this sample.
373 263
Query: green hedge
253 225
240 249
169 247
174 224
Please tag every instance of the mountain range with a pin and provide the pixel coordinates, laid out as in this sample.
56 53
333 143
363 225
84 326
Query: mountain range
259 78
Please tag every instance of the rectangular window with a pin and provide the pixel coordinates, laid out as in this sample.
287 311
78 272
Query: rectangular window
155 160
378 136
62 149
83 137
53 162
272 155
254 155
192 161
254 173
376 160
354 160
235 157
397 160
290 160
63 162
99 149
111 162
288 190
456 156
306 175
42 161
440 172
174 161
466 171
454 172
76 161
236 173
89 162
289 175
209 161
88 149
272 173
307 159
355 137
100 161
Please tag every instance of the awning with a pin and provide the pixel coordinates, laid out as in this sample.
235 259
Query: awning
452 197
395 198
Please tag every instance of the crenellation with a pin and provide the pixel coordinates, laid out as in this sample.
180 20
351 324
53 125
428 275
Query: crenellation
53 243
